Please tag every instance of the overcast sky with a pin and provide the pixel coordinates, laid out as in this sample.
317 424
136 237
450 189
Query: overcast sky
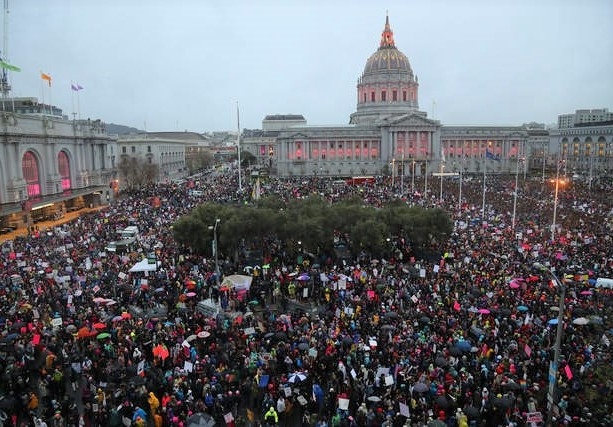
184 64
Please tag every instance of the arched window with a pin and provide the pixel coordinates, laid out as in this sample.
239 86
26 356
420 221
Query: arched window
29 167
64 167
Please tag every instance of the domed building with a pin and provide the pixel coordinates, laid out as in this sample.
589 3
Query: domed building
387 85
386 135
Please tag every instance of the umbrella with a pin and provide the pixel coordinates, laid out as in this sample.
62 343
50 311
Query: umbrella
391 315
117 319
420 388
296 377
476 331
303 277
514 284
388 327
554 308
502 402
596 320
204 334
552 321
512 385
191 338
442 402
441 361
111 302
303 346
103 335
436 423
84 332
463 345
99 325
374 399
71 329
200 419
472 412
454 351
522 308
424 319
586 292
483 311
581 321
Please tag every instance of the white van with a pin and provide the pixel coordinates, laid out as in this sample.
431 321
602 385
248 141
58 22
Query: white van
130 232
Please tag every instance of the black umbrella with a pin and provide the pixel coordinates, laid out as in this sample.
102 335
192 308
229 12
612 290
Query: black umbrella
441 361
512 385
442 402
471 412
455 351
391 315
388 327
303 346
420 388
424 319
502 402
269 335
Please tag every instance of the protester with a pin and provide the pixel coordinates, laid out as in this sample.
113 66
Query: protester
463 338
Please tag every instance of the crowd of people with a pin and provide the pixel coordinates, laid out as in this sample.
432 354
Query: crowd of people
465 338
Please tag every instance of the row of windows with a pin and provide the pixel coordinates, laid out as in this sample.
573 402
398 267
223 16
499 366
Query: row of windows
124 150
383 96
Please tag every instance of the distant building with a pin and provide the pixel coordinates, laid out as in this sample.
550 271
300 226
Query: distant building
585 118
167 150
389 135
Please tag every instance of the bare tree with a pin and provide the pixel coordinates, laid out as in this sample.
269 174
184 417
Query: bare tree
136 172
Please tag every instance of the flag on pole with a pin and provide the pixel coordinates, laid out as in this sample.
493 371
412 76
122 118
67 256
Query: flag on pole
46 77
491 156
76 87
8 66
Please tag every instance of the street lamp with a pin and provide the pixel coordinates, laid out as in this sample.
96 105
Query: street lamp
413 178
215 251
555 202
515 194
553 366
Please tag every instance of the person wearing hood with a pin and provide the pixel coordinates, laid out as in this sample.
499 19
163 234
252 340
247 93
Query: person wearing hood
154 402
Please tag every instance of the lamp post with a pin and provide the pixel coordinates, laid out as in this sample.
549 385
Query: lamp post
515 195
555 202
215 253
441 189
553 366
413 179
393 172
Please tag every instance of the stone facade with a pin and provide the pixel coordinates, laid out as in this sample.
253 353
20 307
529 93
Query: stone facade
50 163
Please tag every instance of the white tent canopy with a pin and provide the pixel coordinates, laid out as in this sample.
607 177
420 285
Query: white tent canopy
144 265
603 282
238 281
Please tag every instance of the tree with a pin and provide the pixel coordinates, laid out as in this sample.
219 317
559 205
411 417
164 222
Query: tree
310 225
200 160
136 172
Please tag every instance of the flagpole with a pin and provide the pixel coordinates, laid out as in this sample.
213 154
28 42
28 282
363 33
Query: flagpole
484 176
72 91
515 195
238 146
78 103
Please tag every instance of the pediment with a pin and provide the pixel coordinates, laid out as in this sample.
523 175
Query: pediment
408 120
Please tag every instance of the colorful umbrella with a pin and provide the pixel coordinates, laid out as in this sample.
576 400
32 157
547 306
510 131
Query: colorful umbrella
103 335
522 308
484 311
99 325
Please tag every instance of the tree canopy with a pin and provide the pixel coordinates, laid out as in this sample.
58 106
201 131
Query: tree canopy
313 225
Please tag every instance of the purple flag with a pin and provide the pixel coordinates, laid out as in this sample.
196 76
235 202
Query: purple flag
76 87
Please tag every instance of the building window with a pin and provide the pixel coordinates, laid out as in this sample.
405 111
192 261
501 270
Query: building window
394 95
372 96
383 96
364 97
124 150
148 148
404 95
64 168
29 167
133 149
